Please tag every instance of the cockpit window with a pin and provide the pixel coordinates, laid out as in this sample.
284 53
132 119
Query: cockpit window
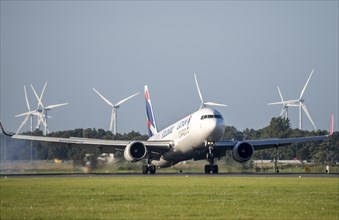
210 116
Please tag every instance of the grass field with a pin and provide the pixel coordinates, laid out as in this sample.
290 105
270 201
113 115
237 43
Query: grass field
175 197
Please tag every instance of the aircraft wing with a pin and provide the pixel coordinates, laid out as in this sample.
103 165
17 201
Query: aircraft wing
104 146
270 143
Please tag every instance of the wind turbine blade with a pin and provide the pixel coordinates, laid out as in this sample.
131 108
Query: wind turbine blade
43 90
196 83
214 104
36 113
55 106
276 103
308 114
282 99
101 96
112 120
37 97
29 108
22 124
302 92
25 114
124 100
282 110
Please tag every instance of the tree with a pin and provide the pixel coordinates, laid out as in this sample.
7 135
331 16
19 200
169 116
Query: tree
278 128
231 133
251 134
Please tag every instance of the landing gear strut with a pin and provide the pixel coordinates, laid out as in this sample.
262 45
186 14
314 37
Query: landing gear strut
276 167
149 167
211 167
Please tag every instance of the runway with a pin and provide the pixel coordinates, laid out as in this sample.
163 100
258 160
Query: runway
225 175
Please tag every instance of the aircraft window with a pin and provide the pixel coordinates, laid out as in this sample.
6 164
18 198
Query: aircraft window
210 116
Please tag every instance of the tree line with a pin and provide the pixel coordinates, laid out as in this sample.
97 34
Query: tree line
326 152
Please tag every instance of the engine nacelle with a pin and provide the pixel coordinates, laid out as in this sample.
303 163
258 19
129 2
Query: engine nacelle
242 152
135 151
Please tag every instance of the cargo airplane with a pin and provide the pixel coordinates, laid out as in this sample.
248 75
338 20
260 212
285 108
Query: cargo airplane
197 136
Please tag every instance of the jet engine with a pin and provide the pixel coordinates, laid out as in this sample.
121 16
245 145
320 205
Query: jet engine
242 152
135 151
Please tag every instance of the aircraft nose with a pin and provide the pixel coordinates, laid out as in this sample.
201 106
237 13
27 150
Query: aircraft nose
216 128
220 128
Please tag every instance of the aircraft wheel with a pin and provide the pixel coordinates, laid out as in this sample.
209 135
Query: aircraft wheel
152 169
215 169
144 169
207 169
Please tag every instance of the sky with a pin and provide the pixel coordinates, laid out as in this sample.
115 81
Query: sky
240 51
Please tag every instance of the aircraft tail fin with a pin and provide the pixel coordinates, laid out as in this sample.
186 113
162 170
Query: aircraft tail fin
151 124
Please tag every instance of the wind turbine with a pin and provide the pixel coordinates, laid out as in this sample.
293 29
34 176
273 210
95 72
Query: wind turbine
284 105
113 124
297 103
28 114
42 110
203 103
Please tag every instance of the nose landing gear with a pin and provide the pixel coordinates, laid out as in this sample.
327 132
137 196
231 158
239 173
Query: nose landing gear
211 167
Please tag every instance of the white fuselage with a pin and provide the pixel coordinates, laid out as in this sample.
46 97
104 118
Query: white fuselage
189 135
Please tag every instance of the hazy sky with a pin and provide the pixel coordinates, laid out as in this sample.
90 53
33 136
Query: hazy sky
240 50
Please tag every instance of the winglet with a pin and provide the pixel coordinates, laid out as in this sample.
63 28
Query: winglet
3 130
151 124
332 124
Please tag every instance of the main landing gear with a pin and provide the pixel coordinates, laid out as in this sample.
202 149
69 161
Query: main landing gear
211 167
148 167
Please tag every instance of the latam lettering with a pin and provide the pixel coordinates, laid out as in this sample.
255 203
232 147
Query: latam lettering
184 122
167 132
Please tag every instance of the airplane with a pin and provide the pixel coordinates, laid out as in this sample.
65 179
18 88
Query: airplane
196 136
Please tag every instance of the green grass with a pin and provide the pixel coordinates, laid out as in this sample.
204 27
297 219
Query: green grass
174 197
